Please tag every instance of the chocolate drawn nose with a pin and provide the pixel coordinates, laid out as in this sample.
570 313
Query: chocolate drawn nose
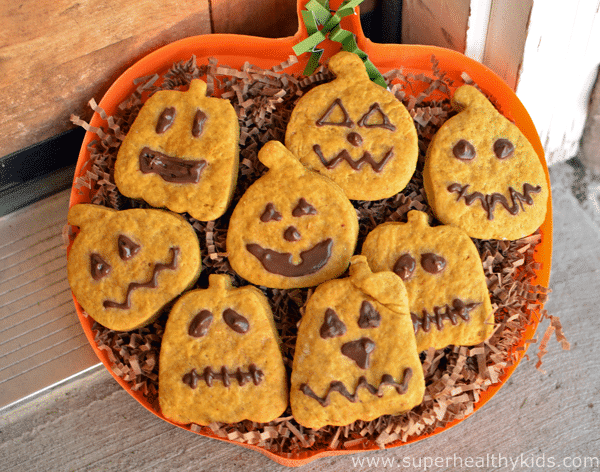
354 138
291 234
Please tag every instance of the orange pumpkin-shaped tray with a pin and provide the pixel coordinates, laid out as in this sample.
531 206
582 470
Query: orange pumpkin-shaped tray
235 50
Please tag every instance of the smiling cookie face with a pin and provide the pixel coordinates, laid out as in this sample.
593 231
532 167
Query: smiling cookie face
293 227
356 355
124 266
220 358
443 275
481 173
181 153
354 132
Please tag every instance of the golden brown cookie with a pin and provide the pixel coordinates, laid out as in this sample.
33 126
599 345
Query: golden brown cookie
220 358
292 227
482 174
355 132
442 271
125 266
181 153
356 355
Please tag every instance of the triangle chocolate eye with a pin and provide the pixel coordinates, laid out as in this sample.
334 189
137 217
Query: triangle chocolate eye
368 119
270 214
345 122
127 248
332 325
99 268
369 316
303 208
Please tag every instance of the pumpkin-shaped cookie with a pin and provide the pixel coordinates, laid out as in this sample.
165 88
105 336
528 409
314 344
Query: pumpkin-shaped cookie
482 174
443 274
355 132
181 153
292 227
356 355
220 358
124 266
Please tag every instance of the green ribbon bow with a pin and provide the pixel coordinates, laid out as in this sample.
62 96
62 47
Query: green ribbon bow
317 14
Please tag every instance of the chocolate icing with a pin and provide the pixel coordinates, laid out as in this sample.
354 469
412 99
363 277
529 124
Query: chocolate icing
503 148
346 122
464 150
354 138
405 266
433 263
344 155
332 325
359 351
369 316
303 208
171 169
198 124
376 108
99 268
337 386
127 248
291 234
235 321
152 283
489 201
165 120
280 263
200 324
459 309
253 374
270 214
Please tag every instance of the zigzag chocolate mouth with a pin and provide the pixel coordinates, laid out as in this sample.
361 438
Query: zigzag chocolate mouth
459 309
358 164
171 169
280 263
253 374
489 201
152 283
338 386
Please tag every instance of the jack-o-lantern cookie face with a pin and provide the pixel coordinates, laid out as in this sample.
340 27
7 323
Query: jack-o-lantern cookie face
181 153
482 174
220 358
356 355
443 274
292 227
354 132
124 266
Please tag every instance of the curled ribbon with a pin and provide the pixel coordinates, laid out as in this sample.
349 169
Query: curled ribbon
317 14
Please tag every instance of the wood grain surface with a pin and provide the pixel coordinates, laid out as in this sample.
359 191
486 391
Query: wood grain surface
537 421
57 55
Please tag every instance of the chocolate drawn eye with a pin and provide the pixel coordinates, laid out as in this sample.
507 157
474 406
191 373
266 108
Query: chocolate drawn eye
165 120
464 150
198 124
332 326
369 316
345 121
304 208
127 248
405 266
200 324
235 321
433 263
270 214
503 148
99 268
368 119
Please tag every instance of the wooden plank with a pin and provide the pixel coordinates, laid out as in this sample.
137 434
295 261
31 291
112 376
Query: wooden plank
265 18
436 23
56 55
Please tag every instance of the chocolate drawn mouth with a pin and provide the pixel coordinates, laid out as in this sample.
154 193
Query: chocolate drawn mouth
459 309
171 169
338 386
242 377
489 201
280 263
358 164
